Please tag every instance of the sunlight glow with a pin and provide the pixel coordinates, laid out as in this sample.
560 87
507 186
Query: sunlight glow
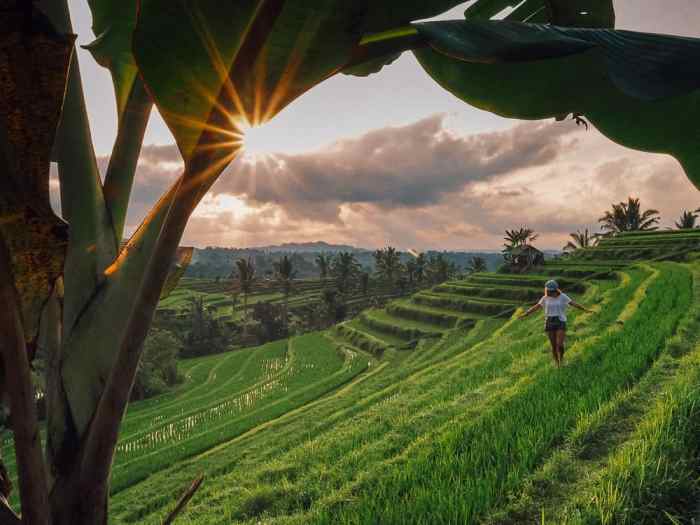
258 142
213 206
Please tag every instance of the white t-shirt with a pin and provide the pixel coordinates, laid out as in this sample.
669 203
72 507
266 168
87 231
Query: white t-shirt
555 306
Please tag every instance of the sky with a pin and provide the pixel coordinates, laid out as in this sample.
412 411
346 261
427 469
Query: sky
393 159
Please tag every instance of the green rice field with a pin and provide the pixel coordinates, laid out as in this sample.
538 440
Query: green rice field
444 408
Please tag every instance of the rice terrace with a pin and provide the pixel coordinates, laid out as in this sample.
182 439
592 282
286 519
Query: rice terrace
177 346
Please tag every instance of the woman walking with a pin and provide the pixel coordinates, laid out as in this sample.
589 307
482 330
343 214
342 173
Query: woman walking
554 302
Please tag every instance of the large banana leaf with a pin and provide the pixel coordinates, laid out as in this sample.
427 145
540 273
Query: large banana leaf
581 13
32 83
113 23
252 56
383 15
575 13
248 58
177 270
641 90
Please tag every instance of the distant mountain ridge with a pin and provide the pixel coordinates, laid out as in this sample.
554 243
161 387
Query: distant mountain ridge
306 247
323 246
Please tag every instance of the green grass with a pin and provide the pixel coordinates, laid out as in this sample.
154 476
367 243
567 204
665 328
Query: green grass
427 412
313 452
437 316
461 474
460 303
313 368
385 338
632 459
407 329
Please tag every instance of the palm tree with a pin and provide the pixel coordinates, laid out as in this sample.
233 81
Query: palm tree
687 220
520 237
517 239
439 269
246 279
284 274
345 270
628 216
364 283
323 261
421 264
477 264
581 239
388 263
411 268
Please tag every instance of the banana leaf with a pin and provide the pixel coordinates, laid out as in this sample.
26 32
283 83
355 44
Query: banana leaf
641 90
32 84
247 59
177 270
251 58
113 23
577 13
574 13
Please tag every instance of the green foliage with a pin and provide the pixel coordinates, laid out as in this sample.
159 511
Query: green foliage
580 240
214 68
274 384
113 23
477 264
687 220
158 366
502 443
323 261
577 13
628 216
516 240
205 334
345 269
245 274
271 321
285 273
388 264
36 239
439 269
383 425
251 43
625 83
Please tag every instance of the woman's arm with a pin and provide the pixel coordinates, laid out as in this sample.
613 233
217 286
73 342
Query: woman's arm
530 311
582 308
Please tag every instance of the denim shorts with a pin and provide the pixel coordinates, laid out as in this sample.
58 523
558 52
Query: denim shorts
553 324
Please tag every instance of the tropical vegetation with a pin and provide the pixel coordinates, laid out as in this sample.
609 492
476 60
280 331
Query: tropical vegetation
628 216
71 286
580 240
687 220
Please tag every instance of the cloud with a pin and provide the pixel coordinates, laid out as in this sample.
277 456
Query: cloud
422 186
394 167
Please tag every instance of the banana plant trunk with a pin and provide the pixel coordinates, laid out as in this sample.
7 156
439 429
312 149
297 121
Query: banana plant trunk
74 504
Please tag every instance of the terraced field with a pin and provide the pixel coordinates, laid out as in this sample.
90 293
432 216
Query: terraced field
648 245
216 296
442 408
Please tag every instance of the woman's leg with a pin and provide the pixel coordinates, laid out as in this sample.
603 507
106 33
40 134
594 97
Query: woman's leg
553 341
560 337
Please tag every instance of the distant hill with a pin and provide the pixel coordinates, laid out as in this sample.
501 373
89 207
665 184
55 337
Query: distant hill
308 247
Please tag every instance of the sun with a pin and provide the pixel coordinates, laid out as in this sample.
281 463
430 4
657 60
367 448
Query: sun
258 142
